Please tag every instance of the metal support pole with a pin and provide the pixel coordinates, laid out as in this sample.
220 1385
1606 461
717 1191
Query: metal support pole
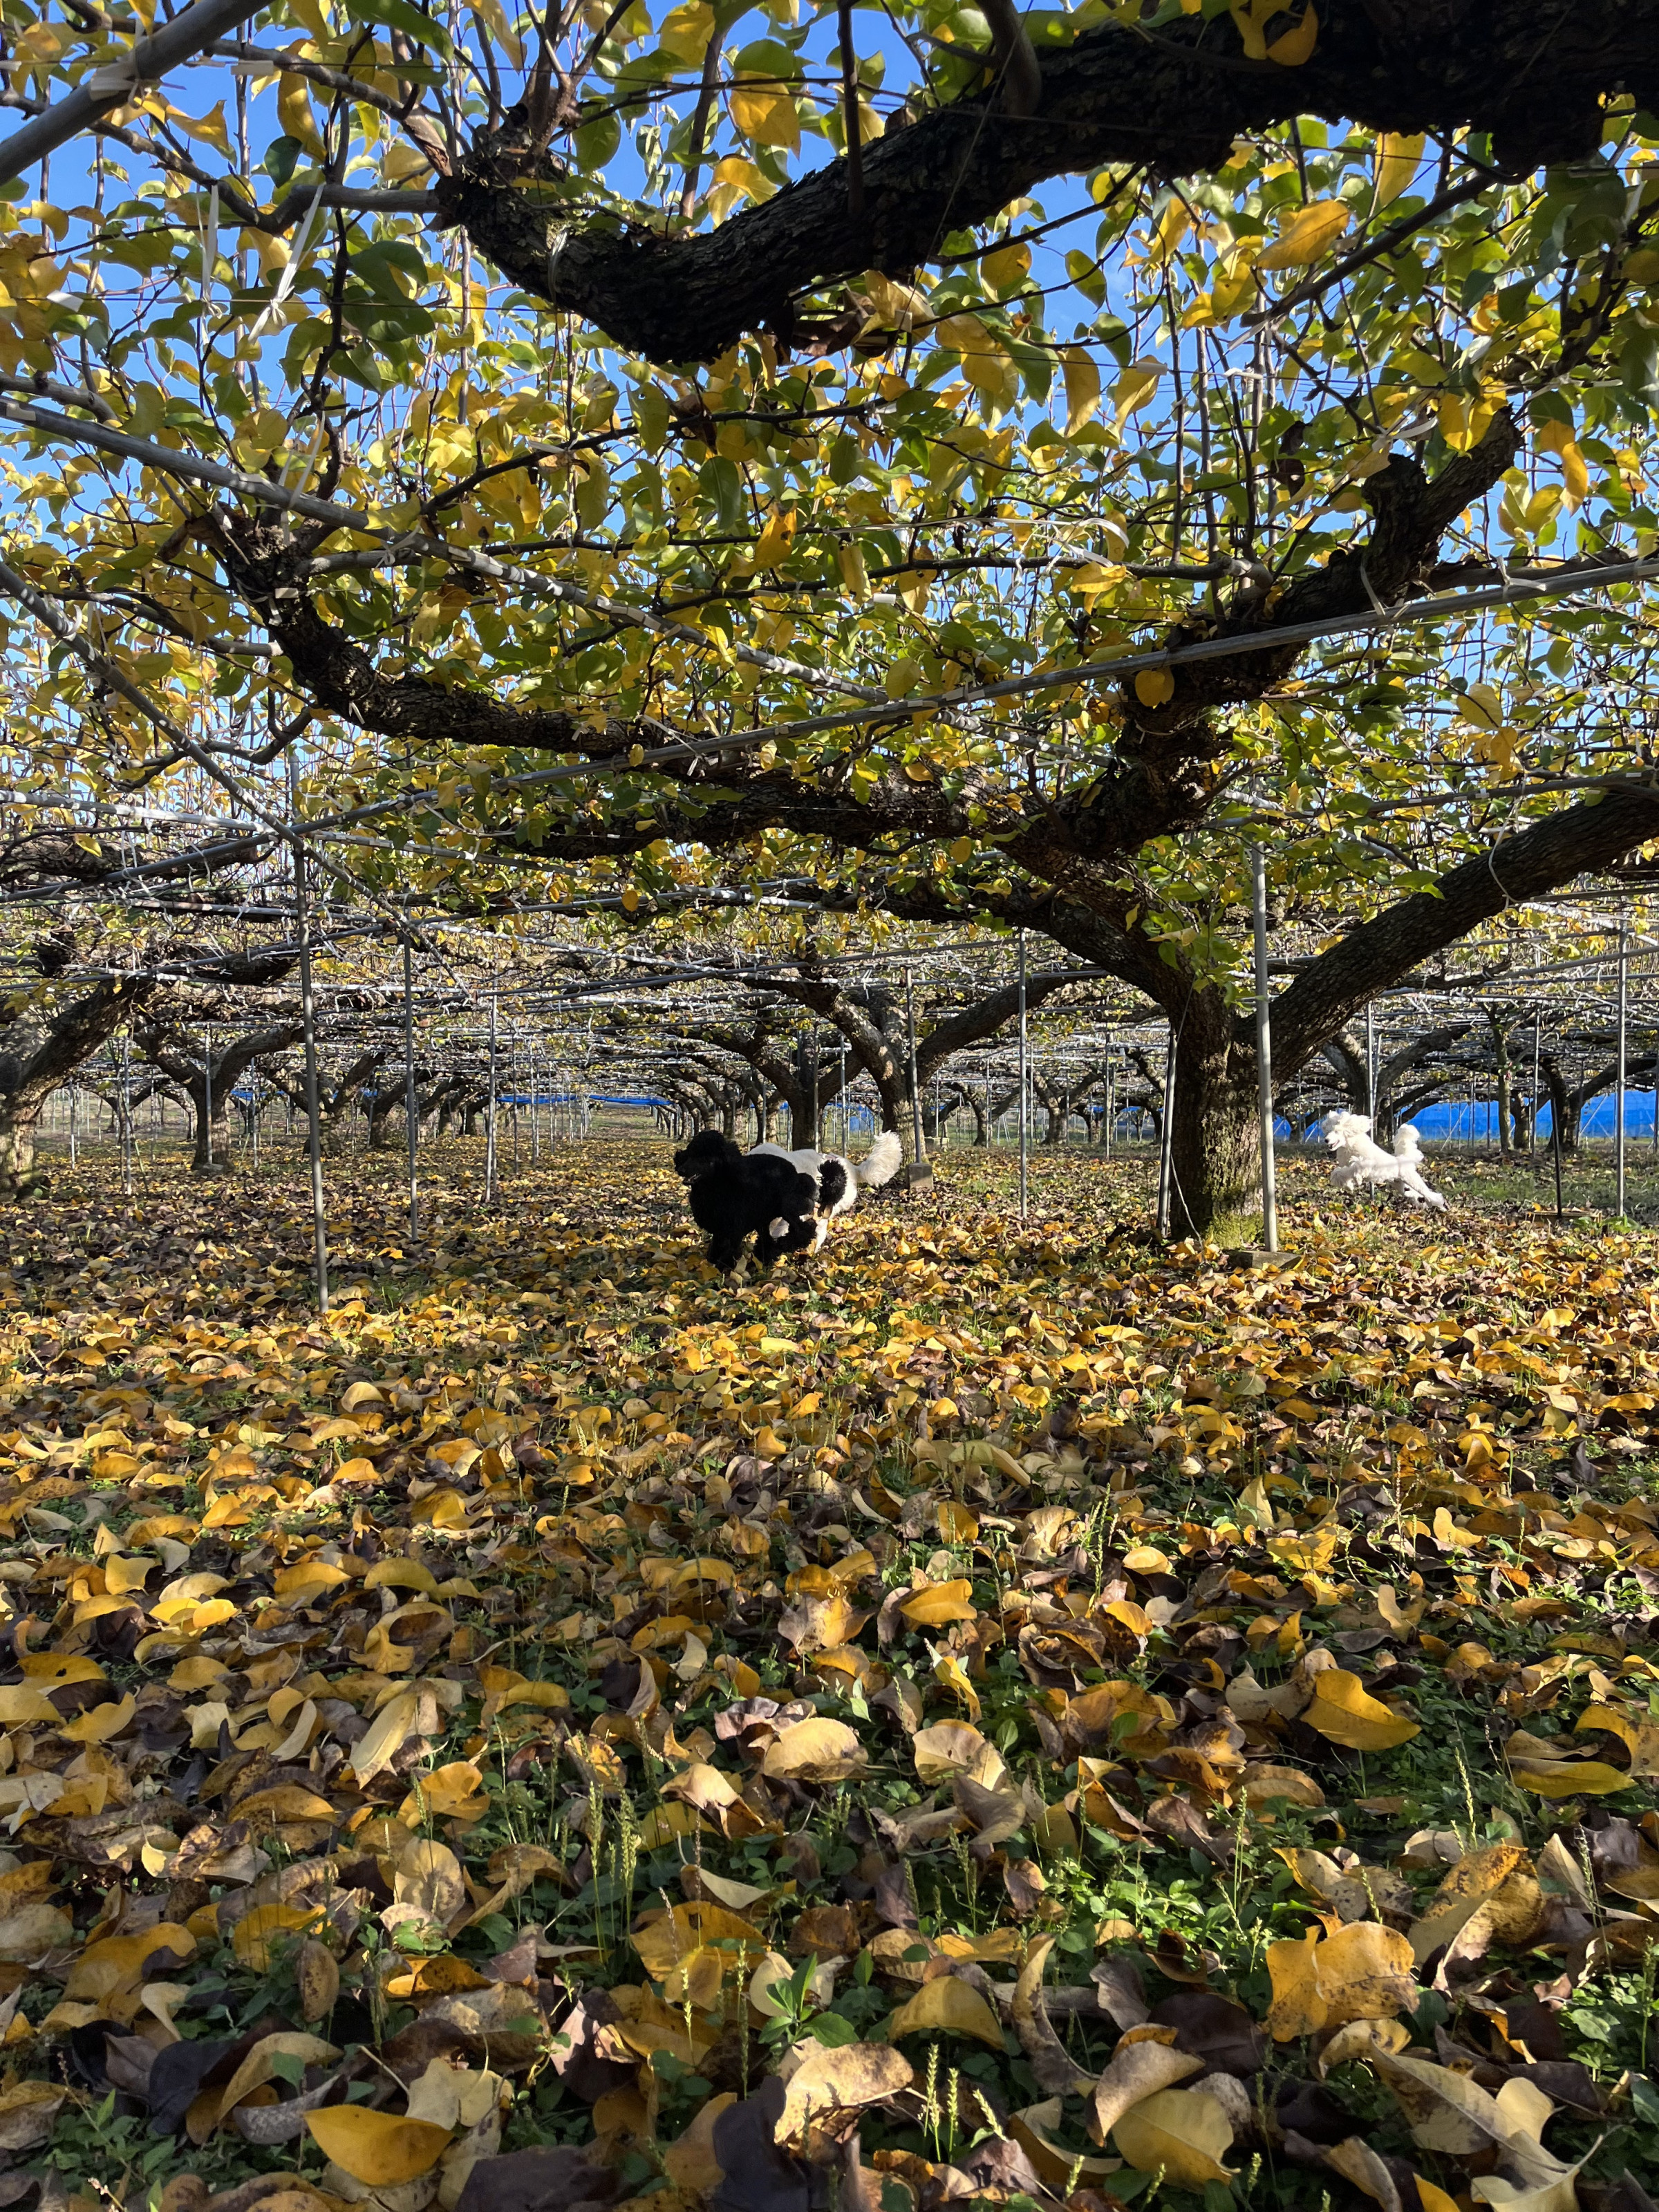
1166 1145
920 1171
1624 1024
1555 1136
411 1110
490 1118
1025 1117
1537 1049
1264 1056
1371 1027
126 1113
308 1021
207 1096
254 1115
73 1153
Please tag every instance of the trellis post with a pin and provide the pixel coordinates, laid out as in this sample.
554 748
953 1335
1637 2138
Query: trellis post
1024 1069
1264 1054
1618 1103
308 1025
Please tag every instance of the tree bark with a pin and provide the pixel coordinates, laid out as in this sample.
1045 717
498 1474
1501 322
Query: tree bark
1215 1153
1504 1084
27 1080
1175 98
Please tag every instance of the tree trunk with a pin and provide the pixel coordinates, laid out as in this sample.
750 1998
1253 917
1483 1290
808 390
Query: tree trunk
211 1152
1215 1153
18 1122
1565 1106
804 1104
1500 1053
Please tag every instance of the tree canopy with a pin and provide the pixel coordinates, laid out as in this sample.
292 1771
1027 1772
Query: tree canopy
615 453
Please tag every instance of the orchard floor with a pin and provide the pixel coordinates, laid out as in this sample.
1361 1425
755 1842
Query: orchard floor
1082 1713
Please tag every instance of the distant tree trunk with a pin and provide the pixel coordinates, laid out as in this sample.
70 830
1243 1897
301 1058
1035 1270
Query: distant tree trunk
1565 1106
1500 1049
27 1080
211 1151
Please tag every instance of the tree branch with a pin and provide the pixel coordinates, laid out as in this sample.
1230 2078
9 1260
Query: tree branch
1174 100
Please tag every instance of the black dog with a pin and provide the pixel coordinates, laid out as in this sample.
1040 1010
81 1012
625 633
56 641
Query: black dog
735 1195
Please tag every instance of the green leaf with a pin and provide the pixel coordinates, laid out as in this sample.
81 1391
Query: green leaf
402 16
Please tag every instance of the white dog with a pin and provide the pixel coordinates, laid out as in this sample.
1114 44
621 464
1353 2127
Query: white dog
839 1179
1360 1160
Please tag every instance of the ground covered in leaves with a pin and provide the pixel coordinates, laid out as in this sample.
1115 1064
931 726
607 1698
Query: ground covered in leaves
1022 1717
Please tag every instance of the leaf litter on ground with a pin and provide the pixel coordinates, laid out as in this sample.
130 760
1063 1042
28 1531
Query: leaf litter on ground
1022 1717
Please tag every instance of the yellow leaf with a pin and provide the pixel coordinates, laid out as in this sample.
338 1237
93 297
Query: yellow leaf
100 1723
50 1670
1434 2199
1155 687
381 2148
947 2006
1135 388
1061 2168
814 1750
1345 1712
493 13
1397 163
1081 388
686 30
257 2067
1640 1737
1469 1884
1364 1971
849 559
950 1747
1482 706
210 130
293 113
1137 2071
775 539
1307 236
386 1736
454 1792
398 1574
1568 1777
689 2162
1293 47
23 1707
256 1936
830 2081
668 1941
902 678
1006 267
1180 2133
936 1604
765 114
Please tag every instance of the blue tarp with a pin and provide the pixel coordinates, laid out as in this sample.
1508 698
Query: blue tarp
1460 1123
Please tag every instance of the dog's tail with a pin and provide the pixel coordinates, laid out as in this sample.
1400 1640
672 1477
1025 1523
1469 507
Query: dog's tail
1407 1144
881 1163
